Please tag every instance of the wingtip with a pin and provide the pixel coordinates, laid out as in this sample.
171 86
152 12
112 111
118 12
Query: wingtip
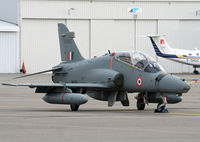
3 83
19 76
8 84
16 77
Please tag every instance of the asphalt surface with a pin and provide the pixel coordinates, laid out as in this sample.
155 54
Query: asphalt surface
25 117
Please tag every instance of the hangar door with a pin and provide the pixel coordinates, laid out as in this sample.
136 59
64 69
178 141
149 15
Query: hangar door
40 49
9 52
189 38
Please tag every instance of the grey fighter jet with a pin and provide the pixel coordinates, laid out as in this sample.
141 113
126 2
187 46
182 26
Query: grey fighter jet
107 78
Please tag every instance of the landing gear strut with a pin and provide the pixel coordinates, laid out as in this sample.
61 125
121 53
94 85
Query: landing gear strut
74 107
195 71
161 106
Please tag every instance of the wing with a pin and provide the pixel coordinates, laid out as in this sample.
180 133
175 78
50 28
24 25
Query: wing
70 85
46 87
53 69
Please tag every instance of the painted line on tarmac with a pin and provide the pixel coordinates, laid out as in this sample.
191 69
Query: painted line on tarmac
134 111
50 108
186 114
3 106
173 113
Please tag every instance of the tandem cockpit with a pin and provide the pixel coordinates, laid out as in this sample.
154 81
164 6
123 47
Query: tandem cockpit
139 60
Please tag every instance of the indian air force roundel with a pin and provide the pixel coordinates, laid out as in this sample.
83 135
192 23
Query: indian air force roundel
139 81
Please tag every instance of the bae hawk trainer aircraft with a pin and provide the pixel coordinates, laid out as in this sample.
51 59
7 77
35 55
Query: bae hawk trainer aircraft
107 78
162 49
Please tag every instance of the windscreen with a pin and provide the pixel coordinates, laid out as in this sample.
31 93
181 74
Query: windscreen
153 68
139 60
125 57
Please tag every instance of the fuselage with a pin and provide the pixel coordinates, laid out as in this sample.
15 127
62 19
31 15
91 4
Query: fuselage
135 78
190 57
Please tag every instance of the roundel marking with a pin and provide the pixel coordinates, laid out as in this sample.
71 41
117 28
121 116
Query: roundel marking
139 81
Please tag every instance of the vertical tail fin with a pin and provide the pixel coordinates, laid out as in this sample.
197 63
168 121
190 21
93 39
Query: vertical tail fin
160 45
68 49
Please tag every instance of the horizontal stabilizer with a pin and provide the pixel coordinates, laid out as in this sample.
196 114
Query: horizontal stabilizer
155 35
151 35
53 69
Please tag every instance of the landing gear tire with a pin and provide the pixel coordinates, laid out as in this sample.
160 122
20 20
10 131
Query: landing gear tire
196 72
74 107
161 109
140 105
141 101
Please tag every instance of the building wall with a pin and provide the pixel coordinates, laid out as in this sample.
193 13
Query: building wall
9 52
9 48
105 25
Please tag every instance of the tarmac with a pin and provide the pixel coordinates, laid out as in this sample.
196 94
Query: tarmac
25 117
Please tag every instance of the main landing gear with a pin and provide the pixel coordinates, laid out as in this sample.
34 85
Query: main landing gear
161 106
141 101
74 107
140 104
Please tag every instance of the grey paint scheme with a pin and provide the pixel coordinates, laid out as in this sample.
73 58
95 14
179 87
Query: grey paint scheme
93 70
105 78
66 40
9 11
68 98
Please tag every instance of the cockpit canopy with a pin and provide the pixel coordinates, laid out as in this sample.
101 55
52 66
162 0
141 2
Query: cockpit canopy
139 60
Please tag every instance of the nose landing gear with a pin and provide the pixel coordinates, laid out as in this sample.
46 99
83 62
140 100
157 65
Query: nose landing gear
161 106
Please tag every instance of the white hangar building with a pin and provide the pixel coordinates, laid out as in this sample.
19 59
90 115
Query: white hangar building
9 37
100 25
9 48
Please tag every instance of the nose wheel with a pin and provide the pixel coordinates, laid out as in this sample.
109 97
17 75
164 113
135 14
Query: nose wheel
161 109
161 106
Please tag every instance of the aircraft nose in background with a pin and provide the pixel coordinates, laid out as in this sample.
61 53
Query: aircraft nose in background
173 84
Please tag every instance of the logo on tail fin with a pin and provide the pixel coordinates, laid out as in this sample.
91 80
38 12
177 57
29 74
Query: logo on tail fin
162 41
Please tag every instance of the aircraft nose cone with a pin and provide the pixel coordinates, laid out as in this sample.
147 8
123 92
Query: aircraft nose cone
186 89
173 84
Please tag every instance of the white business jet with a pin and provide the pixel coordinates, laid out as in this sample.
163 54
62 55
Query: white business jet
162 49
